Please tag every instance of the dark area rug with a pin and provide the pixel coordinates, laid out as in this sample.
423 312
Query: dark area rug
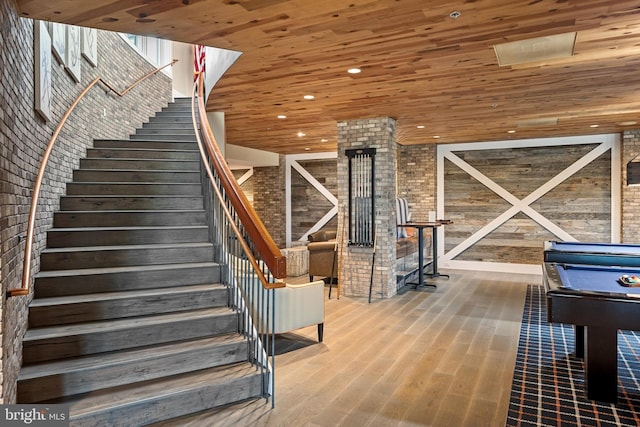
548 381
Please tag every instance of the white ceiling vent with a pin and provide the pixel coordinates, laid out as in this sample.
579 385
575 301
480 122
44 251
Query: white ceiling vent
535 50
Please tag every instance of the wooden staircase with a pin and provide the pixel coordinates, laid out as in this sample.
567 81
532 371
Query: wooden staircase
129 325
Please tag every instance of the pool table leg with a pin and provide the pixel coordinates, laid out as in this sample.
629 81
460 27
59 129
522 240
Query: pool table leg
601 364
579 341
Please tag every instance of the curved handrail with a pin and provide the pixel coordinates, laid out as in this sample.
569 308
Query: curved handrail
26 268
250 220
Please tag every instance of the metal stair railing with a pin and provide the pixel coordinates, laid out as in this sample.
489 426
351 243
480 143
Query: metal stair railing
253 264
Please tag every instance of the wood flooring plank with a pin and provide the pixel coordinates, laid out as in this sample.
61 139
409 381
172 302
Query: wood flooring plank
481 412
423 409
490 382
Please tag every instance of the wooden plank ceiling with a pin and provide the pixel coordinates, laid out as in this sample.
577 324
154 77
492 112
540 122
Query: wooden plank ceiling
436 75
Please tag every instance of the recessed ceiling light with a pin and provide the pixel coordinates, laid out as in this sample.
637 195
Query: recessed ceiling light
353 70
309 97
511 131
282 116
420 126
301 134
594 126
324 140
307 148
629 123
436 136
455 14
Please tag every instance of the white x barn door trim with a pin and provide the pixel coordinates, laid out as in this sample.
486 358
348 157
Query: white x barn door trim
605 143
291 162
244 178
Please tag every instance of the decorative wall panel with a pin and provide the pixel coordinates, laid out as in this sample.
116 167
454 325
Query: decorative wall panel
507 198
90 45
72 63
42 69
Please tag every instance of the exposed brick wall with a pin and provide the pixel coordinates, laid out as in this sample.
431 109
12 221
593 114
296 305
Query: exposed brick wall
356 272
269 199
23 138
630 195
417 179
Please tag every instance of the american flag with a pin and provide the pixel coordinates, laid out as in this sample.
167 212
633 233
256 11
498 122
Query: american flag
198 60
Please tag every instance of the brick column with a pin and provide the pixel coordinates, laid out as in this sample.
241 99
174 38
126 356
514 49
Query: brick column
378 133
630 195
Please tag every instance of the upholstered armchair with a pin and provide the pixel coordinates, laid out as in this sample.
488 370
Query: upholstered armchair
323 259
296 306
299 306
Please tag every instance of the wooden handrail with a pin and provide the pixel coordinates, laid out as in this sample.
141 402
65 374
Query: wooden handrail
26 267
251 222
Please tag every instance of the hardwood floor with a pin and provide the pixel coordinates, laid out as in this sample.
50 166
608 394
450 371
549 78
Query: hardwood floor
424 358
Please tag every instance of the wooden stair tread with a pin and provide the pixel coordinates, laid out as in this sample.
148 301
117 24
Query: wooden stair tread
122 396
149 138
106 270
111 296
48 332
117 163
126 142
138 170
126 247
146 159
128 228
163 150
135 183
95 361
132 211
124 196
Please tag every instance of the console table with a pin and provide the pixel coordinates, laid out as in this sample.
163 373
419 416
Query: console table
420 226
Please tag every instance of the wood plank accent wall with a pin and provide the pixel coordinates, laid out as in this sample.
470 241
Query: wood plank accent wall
308 205
580 205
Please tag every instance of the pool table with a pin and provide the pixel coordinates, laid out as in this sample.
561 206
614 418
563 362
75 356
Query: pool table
622 254
591 298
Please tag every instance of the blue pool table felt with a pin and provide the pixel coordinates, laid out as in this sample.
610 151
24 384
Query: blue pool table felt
597 279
